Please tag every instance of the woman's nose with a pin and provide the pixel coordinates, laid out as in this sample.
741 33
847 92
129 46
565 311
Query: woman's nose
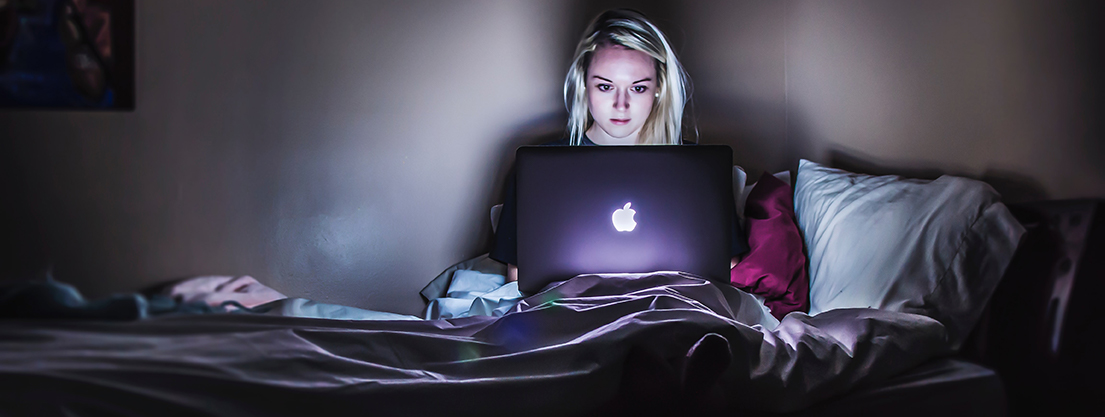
621 100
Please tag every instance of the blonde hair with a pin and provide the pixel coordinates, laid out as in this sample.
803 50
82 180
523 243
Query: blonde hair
630 29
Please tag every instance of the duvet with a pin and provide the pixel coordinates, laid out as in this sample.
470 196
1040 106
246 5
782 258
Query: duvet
562 351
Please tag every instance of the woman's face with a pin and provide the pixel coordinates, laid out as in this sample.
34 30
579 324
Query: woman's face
621 86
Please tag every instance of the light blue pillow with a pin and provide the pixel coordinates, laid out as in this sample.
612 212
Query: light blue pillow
937 248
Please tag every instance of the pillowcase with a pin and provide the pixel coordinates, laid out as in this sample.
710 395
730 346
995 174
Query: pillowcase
741 191
775 265
496 210
936 248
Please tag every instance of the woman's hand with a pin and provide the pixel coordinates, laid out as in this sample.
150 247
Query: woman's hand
735 260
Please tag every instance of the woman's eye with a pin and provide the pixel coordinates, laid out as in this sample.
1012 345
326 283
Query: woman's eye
604 87
639 89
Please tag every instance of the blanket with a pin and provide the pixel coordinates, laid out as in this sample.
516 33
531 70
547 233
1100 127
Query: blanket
560 352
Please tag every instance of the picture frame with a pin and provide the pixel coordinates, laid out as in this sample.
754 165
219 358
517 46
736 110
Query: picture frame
67 54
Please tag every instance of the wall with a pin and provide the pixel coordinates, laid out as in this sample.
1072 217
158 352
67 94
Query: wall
348 151
735 55
343 151
1009 92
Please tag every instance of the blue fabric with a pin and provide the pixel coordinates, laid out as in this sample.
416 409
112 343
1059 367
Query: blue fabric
50 299
469 293
469 284
474 293
301 307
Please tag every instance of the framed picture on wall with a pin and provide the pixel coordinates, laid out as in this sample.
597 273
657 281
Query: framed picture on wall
67 54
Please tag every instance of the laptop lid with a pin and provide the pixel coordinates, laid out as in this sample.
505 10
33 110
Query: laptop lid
623 209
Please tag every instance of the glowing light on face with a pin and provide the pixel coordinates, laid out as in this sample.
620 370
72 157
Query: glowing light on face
621 87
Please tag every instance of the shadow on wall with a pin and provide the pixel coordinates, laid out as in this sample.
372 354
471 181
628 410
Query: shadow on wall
1093 60
21 247
540 130
1013 187
663 14
755 129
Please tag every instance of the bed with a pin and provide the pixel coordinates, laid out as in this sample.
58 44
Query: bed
662 343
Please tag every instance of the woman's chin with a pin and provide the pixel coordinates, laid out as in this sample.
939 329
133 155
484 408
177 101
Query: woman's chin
619 135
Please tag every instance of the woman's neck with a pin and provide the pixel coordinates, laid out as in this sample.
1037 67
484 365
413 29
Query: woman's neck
600 137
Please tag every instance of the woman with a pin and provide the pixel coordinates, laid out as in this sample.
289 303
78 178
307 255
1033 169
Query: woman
625 87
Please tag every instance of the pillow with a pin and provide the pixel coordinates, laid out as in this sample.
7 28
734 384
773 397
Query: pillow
741 191
739 194
496 210
936 248
775 265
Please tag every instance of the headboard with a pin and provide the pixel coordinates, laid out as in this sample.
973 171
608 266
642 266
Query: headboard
1039 331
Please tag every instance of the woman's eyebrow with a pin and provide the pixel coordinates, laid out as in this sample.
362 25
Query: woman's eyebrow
609 81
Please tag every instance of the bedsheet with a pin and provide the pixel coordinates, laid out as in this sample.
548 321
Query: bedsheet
940 387
558 352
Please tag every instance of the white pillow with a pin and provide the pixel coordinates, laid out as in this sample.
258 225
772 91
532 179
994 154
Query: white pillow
496 210
739 193
936 248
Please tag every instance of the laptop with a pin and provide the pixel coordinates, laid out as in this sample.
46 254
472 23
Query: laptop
623 209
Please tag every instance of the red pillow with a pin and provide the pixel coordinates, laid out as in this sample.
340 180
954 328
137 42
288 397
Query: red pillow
775 266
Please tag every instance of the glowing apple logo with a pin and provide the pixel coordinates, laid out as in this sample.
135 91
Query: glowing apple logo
623 219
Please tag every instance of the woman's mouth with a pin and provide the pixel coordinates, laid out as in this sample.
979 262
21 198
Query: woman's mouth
619 121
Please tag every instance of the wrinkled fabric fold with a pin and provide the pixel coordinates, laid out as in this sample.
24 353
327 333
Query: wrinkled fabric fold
558 352
474 293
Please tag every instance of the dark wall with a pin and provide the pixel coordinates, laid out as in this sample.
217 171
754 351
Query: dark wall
344 151
348 151
735 53
1010 92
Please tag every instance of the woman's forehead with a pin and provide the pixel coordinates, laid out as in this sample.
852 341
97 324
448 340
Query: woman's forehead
619 63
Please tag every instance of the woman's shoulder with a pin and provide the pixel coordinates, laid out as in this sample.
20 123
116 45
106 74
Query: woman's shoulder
565 141
587 142
558 142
